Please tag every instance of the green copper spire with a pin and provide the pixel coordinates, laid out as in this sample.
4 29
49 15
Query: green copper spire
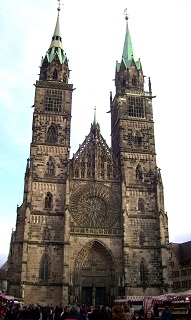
128 54
127 48
56 39
56 49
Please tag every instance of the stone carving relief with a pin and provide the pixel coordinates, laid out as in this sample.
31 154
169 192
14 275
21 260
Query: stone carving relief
94 266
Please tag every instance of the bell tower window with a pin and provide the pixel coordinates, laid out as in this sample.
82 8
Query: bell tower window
53 100
135 107
48 201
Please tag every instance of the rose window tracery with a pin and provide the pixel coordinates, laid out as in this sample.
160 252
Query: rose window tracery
95 206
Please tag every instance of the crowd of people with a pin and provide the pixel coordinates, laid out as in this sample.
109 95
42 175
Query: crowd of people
76 312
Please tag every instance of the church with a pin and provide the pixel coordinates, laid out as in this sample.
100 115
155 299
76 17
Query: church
92 228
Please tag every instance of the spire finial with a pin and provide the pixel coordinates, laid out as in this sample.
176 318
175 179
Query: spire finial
58 6
125 13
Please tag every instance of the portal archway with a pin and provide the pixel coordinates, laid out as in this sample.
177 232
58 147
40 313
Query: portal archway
94 275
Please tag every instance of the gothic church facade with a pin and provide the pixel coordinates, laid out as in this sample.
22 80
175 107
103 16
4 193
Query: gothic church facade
91 228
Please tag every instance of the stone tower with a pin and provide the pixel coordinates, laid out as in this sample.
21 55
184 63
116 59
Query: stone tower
91 228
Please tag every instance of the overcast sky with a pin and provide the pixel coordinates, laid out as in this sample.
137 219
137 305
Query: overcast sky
93 35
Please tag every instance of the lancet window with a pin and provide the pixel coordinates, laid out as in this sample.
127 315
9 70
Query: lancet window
52 135
48 200
44 268
143 272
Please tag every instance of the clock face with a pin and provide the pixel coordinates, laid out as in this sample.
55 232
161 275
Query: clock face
94 206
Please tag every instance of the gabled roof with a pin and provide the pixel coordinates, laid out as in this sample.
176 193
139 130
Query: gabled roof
94 157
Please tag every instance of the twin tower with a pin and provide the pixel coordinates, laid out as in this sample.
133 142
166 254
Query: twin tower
91 228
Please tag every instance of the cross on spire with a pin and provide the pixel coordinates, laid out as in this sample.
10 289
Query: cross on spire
58 6
125 13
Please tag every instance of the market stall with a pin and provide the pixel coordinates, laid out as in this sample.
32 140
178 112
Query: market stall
135 302
179 303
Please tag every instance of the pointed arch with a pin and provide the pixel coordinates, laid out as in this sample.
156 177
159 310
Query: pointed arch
44 267
94 259
48 200
52 133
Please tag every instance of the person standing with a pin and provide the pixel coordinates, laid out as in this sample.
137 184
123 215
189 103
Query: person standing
118 313
149 315
136 315
74 313
166 314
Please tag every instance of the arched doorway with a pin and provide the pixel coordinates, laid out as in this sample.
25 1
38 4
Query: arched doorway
94 275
